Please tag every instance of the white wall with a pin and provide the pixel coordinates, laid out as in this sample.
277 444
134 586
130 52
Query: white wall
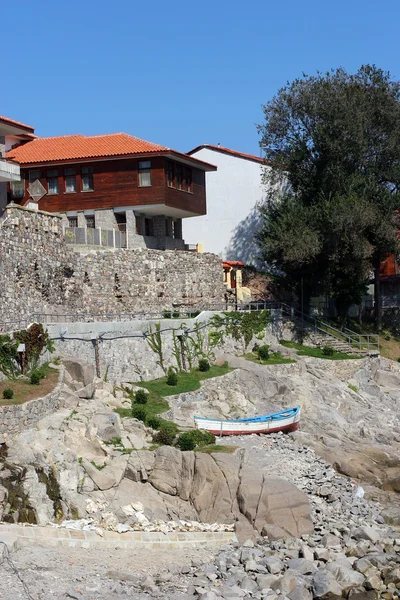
233 192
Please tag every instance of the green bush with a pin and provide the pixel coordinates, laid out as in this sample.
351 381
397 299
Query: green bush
398 360
175 314
154 422
186 441
204 365
263 352
35 378
172 377
8 394
190 439
165 437
388 338
328 351
41 372
141 397
167 314
138 412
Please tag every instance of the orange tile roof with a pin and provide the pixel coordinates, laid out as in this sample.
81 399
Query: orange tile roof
69 147
229 151
8 121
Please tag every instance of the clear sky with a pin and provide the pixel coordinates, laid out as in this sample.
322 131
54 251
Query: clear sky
179 73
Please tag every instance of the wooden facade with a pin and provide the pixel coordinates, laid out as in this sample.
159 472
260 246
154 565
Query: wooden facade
116 184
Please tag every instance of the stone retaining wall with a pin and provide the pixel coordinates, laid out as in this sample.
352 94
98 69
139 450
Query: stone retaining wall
16 417
70 538
39 271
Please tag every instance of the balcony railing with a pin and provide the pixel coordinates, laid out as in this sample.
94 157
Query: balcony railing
95 237
9 171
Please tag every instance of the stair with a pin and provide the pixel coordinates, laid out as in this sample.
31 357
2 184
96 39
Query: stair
320 340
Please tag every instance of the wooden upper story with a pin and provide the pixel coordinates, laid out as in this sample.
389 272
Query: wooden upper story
85 173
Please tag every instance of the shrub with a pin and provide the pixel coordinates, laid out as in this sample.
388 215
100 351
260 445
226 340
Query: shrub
175 314
328 351
186 441
141 397
164 436
8 394
154 422
398 360
35 378
41 372
167 314
172 377
138 412
204 365
263 352
388 338
353 387
256 347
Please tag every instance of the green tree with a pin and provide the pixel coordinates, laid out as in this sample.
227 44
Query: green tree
333 142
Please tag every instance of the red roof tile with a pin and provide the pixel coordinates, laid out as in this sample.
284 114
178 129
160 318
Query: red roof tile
8 121
69 147
228 151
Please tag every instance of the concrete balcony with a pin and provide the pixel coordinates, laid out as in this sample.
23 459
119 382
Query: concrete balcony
9 171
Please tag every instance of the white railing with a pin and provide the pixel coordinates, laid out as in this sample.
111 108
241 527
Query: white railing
9 171
86 236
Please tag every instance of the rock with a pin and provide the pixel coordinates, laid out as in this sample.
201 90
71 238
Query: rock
266 581
307 552
69 398
103 480
374 582
288 582
322 554
87 391
273 564
387 379
107 425
302 566
324 585
300 593
330 541
366 533
79 370
345 576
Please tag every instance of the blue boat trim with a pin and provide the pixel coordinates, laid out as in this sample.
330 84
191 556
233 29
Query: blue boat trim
283 414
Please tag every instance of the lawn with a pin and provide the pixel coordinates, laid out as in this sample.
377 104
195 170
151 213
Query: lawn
159 389
24 391
317 352
217 448
187 381
272 360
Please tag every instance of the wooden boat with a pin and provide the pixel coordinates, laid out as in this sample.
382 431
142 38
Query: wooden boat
285 420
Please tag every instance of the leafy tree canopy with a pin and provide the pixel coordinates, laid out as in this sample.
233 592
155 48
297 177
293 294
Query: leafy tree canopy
333 144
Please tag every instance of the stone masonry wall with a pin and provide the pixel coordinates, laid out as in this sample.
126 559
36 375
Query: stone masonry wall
16 417
40 273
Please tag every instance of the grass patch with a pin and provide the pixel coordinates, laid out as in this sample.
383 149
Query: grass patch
272 360
317 352
217 448
187 382
158 388
25 391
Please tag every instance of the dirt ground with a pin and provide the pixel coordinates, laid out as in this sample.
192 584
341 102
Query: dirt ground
99 574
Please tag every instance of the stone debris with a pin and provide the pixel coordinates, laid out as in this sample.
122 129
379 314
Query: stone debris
108 522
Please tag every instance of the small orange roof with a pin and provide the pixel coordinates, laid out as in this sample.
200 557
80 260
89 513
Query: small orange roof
7 121
227 264
79 146
229 151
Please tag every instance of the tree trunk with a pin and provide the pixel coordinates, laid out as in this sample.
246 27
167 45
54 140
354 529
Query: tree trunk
377 294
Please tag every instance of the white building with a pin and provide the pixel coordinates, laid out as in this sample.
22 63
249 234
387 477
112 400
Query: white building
233 193
11 132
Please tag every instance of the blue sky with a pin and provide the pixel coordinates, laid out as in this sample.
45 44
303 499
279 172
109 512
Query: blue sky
178 73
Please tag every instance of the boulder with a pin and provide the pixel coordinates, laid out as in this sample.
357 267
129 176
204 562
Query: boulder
79 370
104 480
87 391
324 585
107 425
387 379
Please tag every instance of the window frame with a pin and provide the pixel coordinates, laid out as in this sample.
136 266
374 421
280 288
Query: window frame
74 219
66 175
90 217
52 178
179 177
142 170
31 179
87 171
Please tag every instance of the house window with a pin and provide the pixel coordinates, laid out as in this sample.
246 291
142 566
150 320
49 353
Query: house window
148 227
73 221
87 179
70 180
144 173
33 175
52 181
170 174
188 179
178 177
18 188
90 222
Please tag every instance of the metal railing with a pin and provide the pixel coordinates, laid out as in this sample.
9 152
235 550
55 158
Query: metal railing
364 342
86 236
